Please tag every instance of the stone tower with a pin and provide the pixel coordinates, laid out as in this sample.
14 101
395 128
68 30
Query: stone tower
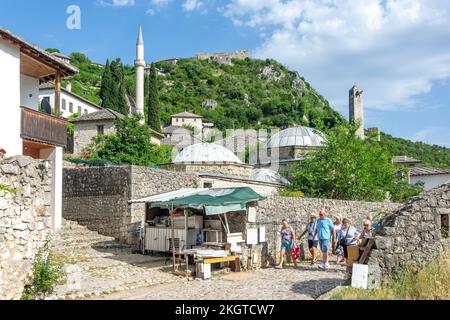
356 109
140 69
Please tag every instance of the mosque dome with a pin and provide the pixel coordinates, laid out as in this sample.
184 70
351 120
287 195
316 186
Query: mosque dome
296 137
267 175
206 152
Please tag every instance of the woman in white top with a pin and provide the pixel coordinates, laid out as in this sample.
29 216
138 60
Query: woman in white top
313 237
348 236
336 229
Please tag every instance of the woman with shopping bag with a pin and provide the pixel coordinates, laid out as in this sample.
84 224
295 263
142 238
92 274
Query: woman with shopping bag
287 242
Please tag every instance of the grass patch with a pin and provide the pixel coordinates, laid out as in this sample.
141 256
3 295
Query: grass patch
431 282
7 189
47 274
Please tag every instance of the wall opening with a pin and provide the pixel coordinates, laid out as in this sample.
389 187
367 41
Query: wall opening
445 226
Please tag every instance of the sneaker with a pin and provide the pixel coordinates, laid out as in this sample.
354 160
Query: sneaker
321 266
326 266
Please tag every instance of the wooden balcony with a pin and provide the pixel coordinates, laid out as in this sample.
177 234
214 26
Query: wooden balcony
43 128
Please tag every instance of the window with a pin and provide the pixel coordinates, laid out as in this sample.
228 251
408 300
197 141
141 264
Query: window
63 104
208 185
85 111
46 106
182 120
71 107
100 130
79 109
176 120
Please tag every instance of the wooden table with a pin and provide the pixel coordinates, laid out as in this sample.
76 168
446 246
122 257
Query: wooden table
235 262
186 254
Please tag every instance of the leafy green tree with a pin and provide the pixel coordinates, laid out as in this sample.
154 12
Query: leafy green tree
349 168
153 114
130 144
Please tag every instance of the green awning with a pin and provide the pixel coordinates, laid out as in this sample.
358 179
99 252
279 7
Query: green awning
214 201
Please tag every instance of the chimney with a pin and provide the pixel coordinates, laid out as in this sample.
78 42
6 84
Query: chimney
69 86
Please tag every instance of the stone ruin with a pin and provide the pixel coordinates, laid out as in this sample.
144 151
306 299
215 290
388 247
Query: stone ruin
225 58
413 235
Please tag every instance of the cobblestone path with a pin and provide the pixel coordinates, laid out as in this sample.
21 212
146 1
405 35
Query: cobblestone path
98 267
304 283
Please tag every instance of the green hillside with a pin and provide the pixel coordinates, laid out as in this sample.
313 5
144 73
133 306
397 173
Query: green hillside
249 94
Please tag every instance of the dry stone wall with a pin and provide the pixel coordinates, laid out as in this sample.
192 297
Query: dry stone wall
274 209
25 220
98 197
413 234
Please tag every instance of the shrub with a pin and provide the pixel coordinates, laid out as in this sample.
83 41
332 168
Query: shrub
47 274
431 282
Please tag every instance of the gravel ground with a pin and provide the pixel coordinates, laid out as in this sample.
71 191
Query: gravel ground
97 267
304 283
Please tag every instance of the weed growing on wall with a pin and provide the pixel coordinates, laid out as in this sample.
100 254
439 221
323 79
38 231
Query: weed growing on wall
47 274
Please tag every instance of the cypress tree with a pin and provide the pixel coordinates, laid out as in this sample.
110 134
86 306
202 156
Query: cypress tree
153 114
107 90
117 73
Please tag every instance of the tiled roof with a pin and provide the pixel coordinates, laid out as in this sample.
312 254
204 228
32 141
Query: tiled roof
405 159
428 171
66 69
186 115
106 114
179 130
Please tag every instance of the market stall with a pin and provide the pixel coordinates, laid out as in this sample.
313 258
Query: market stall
193 223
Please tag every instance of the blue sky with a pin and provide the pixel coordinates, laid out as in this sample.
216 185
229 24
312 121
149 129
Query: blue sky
398 51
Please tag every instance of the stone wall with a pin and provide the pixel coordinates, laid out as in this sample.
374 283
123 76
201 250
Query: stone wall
98 198
274 209
225 58
413 234
242 170
85 131
25 220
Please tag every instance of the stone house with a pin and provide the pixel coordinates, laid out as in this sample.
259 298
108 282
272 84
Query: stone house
89 126
24 130
70 102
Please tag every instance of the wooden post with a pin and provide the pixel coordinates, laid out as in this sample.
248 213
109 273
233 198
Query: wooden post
58 93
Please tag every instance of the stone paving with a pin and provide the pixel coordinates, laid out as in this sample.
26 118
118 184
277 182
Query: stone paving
304 283
97 267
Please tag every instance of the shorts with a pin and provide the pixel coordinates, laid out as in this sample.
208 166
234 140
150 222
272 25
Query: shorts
313 244
286 247
324 245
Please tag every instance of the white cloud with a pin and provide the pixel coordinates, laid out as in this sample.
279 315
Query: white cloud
394 49
118 3
160 3
191 5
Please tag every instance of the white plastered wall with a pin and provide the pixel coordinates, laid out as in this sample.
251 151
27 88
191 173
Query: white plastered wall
10 92
55 156
29 92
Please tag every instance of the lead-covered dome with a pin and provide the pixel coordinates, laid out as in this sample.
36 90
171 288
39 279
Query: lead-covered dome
206 152
267 175
296 137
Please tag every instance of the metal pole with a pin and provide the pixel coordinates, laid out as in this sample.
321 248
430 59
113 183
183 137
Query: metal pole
173 240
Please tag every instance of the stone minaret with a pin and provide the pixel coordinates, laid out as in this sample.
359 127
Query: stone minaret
356 109
140 66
